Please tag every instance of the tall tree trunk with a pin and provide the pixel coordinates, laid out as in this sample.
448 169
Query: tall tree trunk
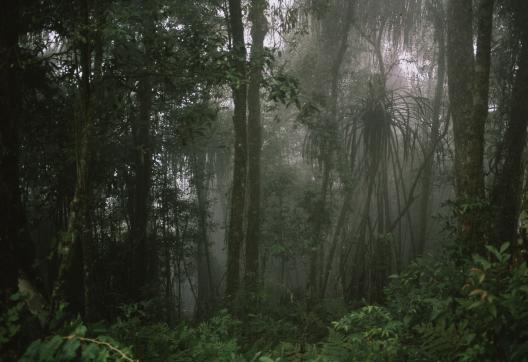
317 247
205 293
17 251
468 93
142 166
238 192
167 260
345 174
335 240
316 284
508 184
141 129
258 32
435 131
78 248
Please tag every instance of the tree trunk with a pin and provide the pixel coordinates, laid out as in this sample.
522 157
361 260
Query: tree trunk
238 192
258 32
343 213
142 166
468 93
318 275
17 251
141 129
508 184
78 248
205 295
433 136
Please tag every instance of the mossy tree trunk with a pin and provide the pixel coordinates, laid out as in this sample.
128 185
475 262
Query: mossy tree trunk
258 33
238 192
78 248
468 80
434 135
509 181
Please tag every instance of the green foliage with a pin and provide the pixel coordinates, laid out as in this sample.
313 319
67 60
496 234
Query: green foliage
263 332
18 327
368 334
426 289
76 346
211 340
10 320
138 339
284 88
497 305
442 310
445 308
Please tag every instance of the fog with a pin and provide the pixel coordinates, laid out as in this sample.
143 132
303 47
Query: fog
255 178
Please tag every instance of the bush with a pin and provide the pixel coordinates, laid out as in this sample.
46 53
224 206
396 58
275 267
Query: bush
76 346
139 340
442 310
368 334
211 340
450 308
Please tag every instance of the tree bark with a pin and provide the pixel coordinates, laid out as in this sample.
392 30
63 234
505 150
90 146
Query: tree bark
508 183
435 129
238 192
468 93
258 32
335 240
78 248
205 293
142 163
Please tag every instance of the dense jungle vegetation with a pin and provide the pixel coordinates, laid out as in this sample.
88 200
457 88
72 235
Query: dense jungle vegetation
263 180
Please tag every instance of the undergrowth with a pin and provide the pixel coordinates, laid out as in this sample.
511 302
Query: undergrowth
442 308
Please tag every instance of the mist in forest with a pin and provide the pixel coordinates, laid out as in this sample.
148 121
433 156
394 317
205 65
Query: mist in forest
263 180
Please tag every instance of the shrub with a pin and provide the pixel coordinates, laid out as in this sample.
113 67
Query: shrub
211 340
446 309
76 346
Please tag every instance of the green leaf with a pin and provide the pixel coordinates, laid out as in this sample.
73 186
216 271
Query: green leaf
265 359
494 251
103 355
50 348
493 310
69 350
482 261
80 330
475 305
90 352
32 352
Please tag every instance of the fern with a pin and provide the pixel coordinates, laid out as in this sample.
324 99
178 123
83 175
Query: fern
439 340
